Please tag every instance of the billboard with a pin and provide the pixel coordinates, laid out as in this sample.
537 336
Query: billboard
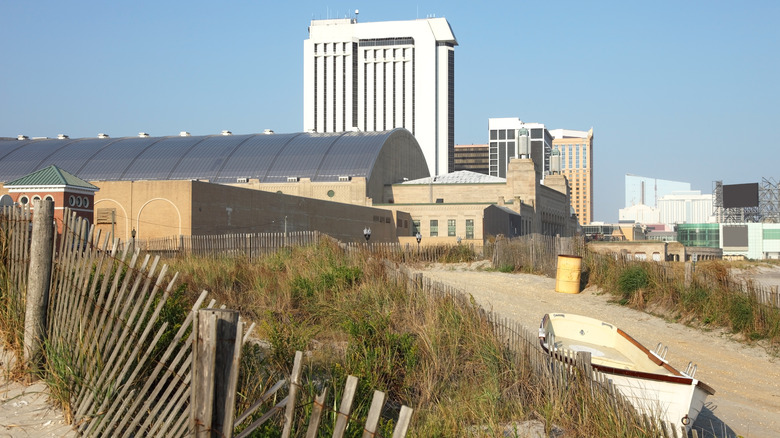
740 195
735 238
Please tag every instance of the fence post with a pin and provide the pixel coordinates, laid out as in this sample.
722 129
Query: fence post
38 280
688 274
216 354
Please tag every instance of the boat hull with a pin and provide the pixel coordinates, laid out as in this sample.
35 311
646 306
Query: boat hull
644 378
675 403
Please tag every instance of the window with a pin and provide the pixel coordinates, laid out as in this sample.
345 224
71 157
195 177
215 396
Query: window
86 202
493 134
72 201
23 200
451 227
434 228
469 228
415 226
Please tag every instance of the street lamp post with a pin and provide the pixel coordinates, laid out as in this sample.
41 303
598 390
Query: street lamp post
132 234
419 238
367 233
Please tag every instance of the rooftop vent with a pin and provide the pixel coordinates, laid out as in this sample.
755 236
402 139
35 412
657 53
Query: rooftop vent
226 132
62 136
292 179
184 134
143 134
102 135
242 180
345 178
268 131
22 137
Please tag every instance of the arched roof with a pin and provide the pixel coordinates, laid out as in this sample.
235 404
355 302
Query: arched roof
216 158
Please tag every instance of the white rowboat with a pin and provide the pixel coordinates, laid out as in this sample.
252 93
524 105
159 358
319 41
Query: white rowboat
644 377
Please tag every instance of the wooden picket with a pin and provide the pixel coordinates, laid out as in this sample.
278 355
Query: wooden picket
342 413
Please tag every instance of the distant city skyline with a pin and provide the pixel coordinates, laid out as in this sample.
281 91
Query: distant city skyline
670 88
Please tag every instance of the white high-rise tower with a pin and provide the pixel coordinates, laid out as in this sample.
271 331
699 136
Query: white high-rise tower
380 76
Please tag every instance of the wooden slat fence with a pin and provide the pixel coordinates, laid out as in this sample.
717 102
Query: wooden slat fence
533 252
106 330
15 229
111 356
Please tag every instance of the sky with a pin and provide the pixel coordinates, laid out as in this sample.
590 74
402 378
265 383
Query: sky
684 91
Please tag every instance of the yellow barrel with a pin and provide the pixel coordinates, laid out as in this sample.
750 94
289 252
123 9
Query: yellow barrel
567 279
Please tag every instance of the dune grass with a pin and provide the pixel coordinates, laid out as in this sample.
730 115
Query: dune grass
437 354
710 298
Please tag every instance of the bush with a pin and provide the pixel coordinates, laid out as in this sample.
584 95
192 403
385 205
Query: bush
632 280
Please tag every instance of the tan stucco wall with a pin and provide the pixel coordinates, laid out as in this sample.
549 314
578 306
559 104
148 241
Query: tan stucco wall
152 208
442 213
449 193
546 206
170 208
348 192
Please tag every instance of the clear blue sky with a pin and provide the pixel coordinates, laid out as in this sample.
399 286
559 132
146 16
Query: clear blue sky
679 90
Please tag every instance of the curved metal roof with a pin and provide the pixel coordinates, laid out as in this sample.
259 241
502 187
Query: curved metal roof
217 158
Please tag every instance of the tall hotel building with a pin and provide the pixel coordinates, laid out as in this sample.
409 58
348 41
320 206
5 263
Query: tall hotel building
576 149
381 76
505 139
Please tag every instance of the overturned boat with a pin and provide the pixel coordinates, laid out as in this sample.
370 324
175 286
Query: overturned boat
644 377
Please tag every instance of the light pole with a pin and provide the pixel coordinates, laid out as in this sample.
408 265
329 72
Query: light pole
367 233
132 234
419 238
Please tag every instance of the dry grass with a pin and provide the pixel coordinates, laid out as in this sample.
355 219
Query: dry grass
436 353
710 298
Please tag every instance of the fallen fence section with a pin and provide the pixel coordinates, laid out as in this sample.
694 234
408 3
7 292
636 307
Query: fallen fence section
288 404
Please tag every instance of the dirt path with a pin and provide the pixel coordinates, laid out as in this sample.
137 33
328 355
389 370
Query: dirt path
746 379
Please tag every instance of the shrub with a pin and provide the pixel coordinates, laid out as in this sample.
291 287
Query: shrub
632 280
